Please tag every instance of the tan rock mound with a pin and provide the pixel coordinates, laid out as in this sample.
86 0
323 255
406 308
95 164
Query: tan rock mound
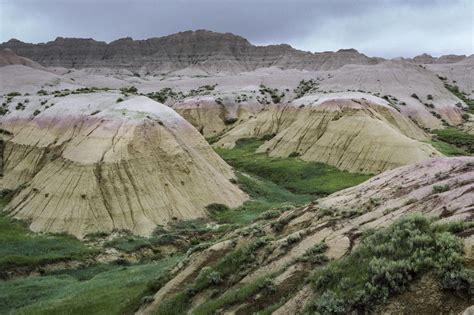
211 115
357 135
91 164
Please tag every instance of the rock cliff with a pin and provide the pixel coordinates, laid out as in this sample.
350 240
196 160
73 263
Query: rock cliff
209 51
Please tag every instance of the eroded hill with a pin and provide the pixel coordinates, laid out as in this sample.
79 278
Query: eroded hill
299 260
97 162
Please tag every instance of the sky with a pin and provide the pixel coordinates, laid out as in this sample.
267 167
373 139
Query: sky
383 28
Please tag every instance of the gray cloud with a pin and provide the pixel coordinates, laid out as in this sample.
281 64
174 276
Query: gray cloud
385 28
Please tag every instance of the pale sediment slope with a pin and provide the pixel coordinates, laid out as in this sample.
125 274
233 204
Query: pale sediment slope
460 73
338 220
415 91
89 164
353 134
211 115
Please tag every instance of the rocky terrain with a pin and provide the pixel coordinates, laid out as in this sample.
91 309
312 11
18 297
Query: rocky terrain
350 133
287 242
199 174
197 51
108 165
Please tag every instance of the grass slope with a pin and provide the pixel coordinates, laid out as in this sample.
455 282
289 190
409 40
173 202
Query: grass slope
278 182
293 174
117 291
20 247
457 138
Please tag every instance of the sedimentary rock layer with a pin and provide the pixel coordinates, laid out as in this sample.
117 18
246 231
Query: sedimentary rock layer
352 134
89 164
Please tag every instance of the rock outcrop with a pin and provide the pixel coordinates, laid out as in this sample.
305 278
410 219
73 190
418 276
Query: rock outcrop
360 133
8 57
202 50
375 204
88 163
444 59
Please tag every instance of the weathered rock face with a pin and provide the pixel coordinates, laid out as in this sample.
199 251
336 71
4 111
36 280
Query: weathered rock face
8 57
352 134
380 201
428 59
89 164
459 74
212 115
213 52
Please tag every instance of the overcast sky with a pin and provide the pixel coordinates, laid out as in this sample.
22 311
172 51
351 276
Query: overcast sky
386 28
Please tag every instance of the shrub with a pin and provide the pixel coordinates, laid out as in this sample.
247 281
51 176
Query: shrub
269 214
230 120
293 238
130 90
216 207
36 112
440 188
386 262
207 276
315 255
119 100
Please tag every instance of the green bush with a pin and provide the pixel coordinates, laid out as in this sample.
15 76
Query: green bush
216 207
129 90
269 214
207 277
440 188
386 262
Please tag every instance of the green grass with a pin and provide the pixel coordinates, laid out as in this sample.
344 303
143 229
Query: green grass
20 247
293 174
129 243
224 269
448 149
278 182
231 296
176 305
264 195
177 231
116 291
457 138
84 273
386 263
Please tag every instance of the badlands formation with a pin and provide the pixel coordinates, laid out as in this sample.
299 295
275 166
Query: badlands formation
359 114
287 242
108 166
115 143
